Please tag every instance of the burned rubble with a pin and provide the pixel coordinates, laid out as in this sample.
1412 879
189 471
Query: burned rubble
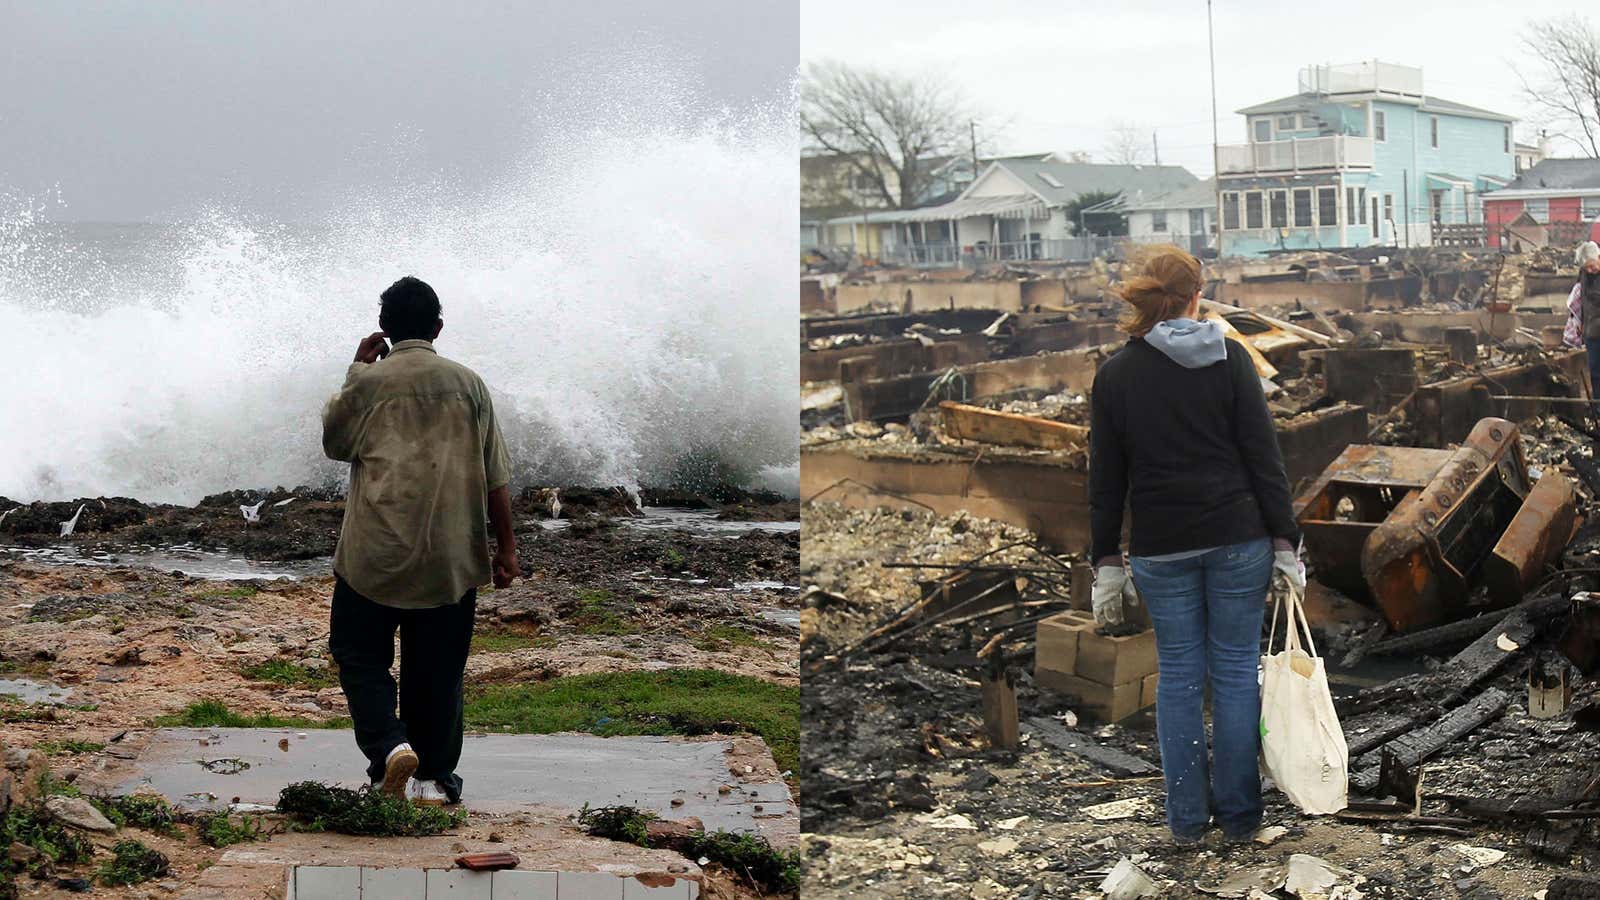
969 731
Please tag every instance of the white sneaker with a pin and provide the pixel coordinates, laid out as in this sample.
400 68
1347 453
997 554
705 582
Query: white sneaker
427 793
397 769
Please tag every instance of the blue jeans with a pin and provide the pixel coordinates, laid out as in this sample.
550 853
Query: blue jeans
1207 612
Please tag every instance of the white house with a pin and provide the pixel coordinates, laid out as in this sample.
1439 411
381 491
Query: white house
1186 217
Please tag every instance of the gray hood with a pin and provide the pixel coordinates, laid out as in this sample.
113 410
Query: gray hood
1191 344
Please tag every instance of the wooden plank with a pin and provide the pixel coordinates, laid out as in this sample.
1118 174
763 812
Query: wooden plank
974 423
1000 711
1411 749
1082 745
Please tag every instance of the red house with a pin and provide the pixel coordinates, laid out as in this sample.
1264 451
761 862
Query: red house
1556 192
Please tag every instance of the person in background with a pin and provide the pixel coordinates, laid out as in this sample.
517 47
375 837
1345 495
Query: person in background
1583 312
427 468
1181 433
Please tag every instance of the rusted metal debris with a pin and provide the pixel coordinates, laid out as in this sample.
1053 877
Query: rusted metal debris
1417 530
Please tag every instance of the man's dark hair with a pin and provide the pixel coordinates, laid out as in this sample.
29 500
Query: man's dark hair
409 310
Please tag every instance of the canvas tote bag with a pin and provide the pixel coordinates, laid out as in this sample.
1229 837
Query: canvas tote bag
1302 744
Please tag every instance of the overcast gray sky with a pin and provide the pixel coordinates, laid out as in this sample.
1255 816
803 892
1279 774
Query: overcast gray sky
147 109
1057 74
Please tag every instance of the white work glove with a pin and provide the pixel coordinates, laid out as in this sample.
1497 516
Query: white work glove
1106 598
1286 565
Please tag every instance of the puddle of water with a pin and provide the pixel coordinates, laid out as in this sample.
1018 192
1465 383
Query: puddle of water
786 617
189 560
34 691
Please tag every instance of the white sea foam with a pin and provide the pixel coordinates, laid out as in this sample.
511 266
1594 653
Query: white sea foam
627 294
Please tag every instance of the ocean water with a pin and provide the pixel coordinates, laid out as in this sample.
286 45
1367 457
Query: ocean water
627 294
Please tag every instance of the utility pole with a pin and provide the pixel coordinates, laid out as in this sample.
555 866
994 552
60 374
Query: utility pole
1216 169
1155 147
974 126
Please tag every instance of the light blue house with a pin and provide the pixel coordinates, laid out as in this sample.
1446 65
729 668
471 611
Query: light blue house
1361 155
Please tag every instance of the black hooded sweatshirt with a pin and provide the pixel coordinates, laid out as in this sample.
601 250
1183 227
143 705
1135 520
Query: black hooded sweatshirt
1197 448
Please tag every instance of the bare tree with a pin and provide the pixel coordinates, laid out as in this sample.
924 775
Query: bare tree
1126 145
887 127
1564 81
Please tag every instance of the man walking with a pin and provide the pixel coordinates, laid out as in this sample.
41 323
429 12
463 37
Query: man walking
427 467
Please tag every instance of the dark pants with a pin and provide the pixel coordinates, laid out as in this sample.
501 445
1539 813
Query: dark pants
1591 347
433 656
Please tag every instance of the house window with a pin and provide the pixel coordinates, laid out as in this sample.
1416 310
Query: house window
1505 137
1361 203
1539 209
1591 208
1433 130
1230 211
1377 223
1278 209
1252 210
1263 130
1380 125
1158 220
1350 204
1286 123
1302 207
1308 122
1328 206
1388 207
1436 205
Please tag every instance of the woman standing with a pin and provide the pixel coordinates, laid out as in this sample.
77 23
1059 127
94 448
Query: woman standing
1583 312
1181 430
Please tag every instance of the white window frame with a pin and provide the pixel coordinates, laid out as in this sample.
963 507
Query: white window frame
1294 208
1316 205
1278 121
1380 125
1361 203
1230 200
1543 215
1589 208
1388 207
1255 130
1158 220
1260 198
1281 197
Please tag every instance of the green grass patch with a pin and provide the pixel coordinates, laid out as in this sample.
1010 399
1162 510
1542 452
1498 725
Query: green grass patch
504 640
671 701
51 786
13 712
770 869
319 807
617 823
672 560
235 592
721 637
600 612
218 830
284 672
36 828
132 863
139 810
216 714
70 746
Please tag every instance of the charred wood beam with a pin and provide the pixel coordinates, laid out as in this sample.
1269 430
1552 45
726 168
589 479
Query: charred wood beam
1057 735
1416 746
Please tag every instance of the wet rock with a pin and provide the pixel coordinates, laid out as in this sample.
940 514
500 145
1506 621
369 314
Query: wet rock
79 813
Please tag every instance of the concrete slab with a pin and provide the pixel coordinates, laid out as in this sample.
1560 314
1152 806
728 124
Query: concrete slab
502 773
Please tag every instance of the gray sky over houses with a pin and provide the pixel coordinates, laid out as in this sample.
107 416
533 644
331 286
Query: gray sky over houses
150 109
1056 75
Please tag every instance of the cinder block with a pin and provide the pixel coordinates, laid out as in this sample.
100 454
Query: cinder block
459 884
1147 690
327 882
515 884
400 884
588 886
1056 641
660 887
1115 660
1109 703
